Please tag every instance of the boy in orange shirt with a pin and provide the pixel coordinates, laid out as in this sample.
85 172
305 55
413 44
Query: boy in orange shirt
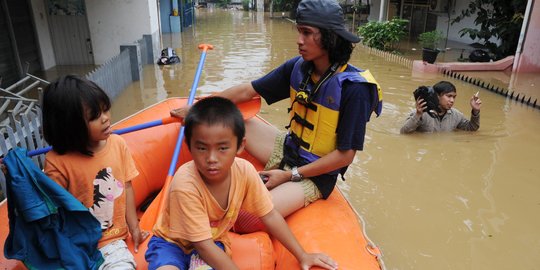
207 193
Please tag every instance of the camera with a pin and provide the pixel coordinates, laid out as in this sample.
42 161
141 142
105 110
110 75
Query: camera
430 97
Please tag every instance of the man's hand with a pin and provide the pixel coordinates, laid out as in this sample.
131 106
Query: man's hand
476 103
180 112
274 178
421 106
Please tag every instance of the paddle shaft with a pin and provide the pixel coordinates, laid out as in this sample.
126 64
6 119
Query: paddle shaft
164 121
191 97
162 196
248 109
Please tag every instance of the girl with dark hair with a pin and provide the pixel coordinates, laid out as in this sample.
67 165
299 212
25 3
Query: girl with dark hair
93 164
331 103
445 117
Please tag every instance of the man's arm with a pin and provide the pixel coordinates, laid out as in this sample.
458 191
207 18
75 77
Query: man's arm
474 123
213 255
411 124
238 93
334 160
414 119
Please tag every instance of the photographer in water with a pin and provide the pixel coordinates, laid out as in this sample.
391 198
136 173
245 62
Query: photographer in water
434 111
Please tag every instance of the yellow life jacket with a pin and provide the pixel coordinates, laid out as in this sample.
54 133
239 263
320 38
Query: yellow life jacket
313 124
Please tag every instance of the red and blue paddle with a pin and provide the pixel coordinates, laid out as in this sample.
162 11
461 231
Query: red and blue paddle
159 122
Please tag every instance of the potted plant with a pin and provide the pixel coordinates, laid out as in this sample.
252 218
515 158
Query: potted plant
429 41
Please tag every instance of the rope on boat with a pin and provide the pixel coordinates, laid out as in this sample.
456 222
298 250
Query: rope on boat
371 247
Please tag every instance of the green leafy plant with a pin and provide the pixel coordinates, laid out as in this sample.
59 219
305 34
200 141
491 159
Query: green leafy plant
245 4
430 40
383 35
499 19
281 5
223 3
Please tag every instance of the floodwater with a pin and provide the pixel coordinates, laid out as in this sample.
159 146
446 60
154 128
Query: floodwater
454 200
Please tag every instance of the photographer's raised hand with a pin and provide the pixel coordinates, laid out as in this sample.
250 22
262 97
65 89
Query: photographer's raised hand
476 103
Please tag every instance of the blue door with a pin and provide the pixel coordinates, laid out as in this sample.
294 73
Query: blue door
188 16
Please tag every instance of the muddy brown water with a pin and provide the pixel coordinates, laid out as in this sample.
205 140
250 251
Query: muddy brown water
454 200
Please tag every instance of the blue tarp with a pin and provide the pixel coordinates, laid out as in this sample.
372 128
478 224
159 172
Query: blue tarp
48 227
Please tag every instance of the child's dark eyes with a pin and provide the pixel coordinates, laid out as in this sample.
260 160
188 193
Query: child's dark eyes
221 148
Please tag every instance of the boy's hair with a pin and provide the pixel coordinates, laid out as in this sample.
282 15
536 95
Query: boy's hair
444 87
212 111
69 104
339 50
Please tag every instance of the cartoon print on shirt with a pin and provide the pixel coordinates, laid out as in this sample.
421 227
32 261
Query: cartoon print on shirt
106 190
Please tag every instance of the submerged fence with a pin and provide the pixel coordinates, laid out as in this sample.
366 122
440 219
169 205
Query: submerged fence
398 59
114 75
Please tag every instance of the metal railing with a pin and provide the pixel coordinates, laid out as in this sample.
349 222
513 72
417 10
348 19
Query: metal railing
114 75
20 113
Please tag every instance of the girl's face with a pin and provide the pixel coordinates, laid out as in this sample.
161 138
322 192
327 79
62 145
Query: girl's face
446 101
99 129
309 43
213 148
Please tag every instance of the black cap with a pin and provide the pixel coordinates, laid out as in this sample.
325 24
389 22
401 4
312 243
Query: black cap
325 14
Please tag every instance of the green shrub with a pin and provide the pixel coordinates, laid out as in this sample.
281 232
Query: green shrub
495 19
430 39
383 35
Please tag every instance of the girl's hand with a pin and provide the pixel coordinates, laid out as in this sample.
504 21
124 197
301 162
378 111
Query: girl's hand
317 259
138 237
275 178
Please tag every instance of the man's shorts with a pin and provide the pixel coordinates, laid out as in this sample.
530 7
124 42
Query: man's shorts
161 252
311 192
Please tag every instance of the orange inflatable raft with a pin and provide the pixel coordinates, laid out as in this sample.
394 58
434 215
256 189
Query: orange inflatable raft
329 226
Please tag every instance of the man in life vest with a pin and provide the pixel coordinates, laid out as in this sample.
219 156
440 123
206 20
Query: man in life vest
331 102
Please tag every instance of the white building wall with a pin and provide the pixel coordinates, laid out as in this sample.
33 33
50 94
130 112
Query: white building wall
154 17
453 30
39 12
113 23
374 10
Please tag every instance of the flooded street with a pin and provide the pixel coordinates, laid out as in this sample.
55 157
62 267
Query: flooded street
430 201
